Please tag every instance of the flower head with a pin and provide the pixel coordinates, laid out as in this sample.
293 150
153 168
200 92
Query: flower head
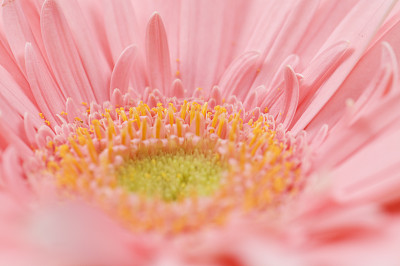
199 132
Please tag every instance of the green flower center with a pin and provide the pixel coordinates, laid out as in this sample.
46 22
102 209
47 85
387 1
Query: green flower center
172 176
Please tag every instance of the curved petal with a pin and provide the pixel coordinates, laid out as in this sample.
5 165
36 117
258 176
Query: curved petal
67 65
45 90
358 27
121 26
291 97
90 51
157 54
120 75
239 76
18 30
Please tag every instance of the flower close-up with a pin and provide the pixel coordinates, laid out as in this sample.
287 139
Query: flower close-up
199 132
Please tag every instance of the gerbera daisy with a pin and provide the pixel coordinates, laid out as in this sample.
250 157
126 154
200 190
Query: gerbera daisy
199 132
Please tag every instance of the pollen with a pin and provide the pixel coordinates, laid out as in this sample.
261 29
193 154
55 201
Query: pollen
174 166
173 175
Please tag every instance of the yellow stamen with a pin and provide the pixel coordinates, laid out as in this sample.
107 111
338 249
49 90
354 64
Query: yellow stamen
123 115
110 134
130 129
258 144
124 134
75 147
179 127
92 150
97 130
144 129
198 120
183 110
110 151
232 133
131 112
158 127
171 115
220 125
204 109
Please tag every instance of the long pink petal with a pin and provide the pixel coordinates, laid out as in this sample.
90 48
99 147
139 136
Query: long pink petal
8 62
11 92
374 169
271 98
157 54
12 121
63 55
14 175
93 59
30 129
355 82
239 76
327 18
73 110
121 26
320 68
359 31
291 97
120 74
45 90
7 135
208 32
290 33
386 81
350 138
17 30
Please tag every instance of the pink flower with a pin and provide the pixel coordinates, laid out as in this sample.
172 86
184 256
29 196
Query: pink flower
199 132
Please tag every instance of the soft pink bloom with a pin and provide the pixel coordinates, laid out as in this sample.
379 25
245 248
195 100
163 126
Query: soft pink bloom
316 182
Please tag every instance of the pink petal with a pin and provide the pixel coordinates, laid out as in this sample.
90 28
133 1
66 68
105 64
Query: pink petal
18 30
157 54
117 98
120 74
291 97
43 136
63 55
374 121
239 75
320 68
30 130
73 110
90 51
251 100
7 136
292 61
358 27
12 121
385 81
177 89
208 32
375 175
121 26
45 90
12 93
327 18
286 40
370 64
272 97
13 174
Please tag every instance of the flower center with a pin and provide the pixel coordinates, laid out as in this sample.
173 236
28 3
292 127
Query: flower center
174 166
172 175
